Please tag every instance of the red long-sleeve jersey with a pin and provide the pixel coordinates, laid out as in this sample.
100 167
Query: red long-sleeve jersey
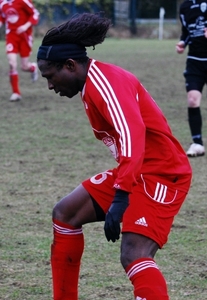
127 119
15 13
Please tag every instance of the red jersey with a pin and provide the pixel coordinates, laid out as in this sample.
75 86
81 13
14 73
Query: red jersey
15 13
127 119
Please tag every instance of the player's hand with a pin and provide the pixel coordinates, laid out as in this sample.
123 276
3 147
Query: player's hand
23 28
114 215
205 32
180 47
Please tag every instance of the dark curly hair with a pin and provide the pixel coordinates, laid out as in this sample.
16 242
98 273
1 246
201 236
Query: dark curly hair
85 29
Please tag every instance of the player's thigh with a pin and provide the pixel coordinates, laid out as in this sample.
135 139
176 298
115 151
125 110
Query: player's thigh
12 43
195 75
25 46
100 187
135 246
12 59
89 201
24 63
153 206
75 208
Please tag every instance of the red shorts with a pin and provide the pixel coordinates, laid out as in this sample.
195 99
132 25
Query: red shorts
19 43
153 203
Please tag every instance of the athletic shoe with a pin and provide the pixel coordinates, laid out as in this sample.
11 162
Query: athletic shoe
195 150
15 97
34 74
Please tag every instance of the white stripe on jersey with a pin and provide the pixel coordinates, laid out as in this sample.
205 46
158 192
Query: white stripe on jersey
35 11
197 58
140 267
67 231
105 89
28 3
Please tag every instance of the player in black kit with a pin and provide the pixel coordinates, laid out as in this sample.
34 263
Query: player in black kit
193 17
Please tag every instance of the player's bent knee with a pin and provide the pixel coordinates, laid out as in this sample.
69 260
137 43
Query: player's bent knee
194 98
56 213
75 208
192 102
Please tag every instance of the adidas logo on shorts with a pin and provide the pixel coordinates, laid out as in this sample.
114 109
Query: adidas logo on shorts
142 222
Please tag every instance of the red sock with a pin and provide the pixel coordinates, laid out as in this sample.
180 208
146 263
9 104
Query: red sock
14 80
66 252
148 281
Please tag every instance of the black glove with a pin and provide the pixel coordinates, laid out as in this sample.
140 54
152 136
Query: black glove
114 215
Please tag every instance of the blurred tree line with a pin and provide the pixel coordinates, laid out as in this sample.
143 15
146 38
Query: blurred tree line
127 12
60 9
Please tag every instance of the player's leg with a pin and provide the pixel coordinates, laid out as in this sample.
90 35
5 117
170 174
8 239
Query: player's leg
69 215
137 258
12 51
14 76
25 50
195 80
195 123
87 203
30 67
146 225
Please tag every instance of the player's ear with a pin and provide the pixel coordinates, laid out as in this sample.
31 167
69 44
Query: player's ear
70 64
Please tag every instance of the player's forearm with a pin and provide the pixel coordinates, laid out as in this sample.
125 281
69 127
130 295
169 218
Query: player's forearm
27 25
205 32
184 36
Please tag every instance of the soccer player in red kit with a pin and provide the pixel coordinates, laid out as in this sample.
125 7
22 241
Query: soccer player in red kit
153 175
19 16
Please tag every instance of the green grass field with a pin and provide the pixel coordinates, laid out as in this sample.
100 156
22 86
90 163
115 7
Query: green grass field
47 148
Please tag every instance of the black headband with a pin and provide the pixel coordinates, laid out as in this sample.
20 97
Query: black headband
61 52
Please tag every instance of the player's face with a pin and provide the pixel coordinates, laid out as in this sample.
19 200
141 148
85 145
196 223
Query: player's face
64 81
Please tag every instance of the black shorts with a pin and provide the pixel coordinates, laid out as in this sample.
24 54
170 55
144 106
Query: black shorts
195 75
